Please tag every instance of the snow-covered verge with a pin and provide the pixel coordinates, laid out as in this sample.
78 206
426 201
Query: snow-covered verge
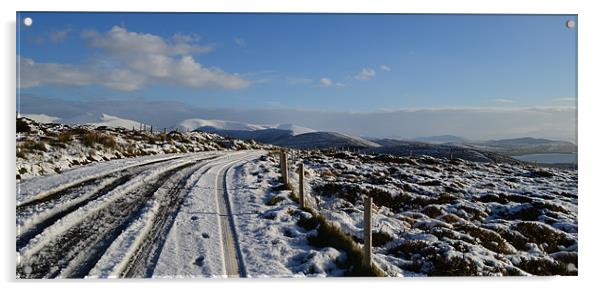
433 217
272 242
49 148
439 217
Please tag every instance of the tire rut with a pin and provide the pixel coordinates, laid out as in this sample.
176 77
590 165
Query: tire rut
93 235
144 261
55 194
118 178
233 260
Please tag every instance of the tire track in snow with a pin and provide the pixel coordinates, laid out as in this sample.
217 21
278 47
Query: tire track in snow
57 193
91 236
143 262
233 261
45 212
44 188
193 248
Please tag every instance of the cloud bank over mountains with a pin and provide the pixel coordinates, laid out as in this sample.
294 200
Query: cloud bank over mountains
474 123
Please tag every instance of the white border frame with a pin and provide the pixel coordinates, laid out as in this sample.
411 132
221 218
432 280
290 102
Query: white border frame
588 119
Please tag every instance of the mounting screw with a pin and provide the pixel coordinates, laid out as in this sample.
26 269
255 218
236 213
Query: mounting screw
28 21
570 24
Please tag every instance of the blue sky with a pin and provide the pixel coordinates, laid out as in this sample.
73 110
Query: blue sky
309 61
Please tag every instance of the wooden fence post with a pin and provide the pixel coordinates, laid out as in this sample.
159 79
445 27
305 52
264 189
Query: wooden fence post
284 167
281 159
367 231
301 188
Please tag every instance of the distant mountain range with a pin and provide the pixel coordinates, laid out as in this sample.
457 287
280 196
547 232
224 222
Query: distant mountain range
286 135
525 146
295 136
325 140
438 150
444 146
510 147
226 125
441 139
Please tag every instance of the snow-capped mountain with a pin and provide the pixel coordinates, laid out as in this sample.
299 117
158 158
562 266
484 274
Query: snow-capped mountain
102 120
195 123
296 129
221 125
286 134
41 118
96 119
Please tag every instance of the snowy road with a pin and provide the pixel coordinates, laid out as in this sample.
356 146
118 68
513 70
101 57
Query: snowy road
159 216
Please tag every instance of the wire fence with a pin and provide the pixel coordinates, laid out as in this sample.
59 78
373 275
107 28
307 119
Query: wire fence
302 191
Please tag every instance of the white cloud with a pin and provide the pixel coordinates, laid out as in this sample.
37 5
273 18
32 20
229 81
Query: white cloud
193 37
120 41
504 101
365 74
239 41
131 60
385 68
34 74
325 82
124 80
188 72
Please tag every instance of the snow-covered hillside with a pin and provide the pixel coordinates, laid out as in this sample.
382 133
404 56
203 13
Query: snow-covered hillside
453 217
94 119
41 118
44 149
102 120
295 129
434 217
194 123
131 213
148 204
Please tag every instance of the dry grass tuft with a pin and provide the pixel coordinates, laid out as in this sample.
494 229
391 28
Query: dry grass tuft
92 138
330 235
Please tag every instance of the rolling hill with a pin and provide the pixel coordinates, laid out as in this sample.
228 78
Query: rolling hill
525 146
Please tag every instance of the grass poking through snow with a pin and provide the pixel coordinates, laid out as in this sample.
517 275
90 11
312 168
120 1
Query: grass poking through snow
330 235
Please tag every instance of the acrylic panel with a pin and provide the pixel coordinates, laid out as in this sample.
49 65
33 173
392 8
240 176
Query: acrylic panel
202 145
